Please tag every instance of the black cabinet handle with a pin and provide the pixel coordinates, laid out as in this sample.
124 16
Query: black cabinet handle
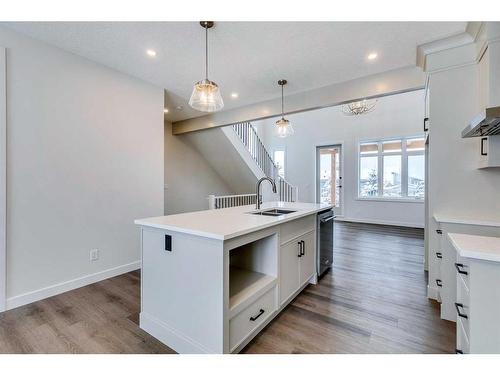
439 282
426 128
483 153
303 248
300 249
254 318
439 231
439 255
459 267
458 306
458 351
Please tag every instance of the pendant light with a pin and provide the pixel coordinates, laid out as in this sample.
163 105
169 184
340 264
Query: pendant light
206 95
283 126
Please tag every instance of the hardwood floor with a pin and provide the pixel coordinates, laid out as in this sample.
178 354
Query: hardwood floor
374 301
99 318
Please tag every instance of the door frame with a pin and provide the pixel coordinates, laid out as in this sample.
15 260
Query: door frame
317 147
3 179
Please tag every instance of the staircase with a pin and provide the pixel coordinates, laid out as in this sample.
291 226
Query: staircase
253 144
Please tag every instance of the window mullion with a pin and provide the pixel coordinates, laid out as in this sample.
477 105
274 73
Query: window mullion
380 166
404 169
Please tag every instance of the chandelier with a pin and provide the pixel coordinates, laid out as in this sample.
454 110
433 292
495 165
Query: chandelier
360 107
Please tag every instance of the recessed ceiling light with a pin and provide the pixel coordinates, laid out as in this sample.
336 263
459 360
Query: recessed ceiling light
165 110
234 95
151 53
372 56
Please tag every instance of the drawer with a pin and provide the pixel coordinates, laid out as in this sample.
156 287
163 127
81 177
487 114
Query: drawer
462 339
296 228
463 309
250 319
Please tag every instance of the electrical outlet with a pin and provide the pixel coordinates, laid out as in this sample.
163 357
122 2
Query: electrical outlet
94 255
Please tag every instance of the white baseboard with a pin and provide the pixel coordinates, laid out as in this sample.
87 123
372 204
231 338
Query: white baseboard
433 293
170 336
382 222
49 291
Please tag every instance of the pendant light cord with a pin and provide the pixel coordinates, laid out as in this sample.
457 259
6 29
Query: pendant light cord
282 111
206 52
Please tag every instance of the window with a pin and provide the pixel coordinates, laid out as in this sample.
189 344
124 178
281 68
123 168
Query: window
392 168
279 160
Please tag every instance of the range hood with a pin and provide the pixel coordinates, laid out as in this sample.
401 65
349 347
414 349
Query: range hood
485 124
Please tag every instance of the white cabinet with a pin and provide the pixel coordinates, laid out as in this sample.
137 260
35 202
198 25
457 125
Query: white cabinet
297 264
289 269
477 303
489 152
307 260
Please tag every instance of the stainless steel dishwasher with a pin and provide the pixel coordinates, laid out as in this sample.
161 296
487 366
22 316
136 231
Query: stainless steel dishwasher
324 257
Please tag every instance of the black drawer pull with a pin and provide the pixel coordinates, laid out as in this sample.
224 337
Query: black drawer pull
426 128
254 318
439 255
483 153
439 282
459 267
458 351
300 249
439 231
303 248
458 306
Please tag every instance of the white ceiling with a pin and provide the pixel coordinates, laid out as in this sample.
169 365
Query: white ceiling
245 57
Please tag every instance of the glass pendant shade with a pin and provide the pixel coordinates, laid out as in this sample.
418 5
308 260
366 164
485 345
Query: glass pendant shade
284 128
206 97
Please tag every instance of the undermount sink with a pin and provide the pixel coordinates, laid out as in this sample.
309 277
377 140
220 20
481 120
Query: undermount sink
273 212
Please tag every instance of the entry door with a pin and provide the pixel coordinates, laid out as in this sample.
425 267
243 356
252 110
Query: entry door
329 176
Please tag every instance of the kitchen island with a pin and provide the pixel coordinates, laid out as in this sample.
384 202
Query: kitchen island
211 280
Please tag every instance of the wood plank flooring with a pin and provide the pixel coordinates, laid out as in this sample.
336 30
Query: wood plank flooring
373 301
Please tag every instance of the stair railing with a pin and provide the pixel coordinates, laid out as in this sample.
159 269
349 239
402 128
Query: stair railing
250 139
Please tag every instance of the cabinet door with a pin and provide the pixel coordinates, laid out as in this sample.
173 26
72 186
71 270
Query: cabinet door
289 269
308 258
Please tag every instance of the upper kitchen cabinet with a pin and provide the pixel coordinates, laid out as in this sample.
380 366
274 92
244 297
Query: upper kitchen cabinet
486 124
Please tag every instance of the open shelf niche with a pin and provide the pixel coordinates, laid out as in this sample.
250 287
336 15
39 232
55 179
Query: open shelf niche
253 270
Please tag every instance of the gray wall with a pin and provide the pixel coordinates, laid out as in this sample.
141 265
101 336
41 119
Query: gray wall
189 178
85 158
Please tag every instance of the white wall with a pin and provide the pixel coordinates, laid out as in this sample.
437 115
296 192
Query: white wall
189 178
395 115
84 159
3 173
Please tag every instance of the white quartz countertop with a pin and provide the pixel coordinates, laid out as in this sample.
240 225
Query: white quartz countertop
227 223
476 247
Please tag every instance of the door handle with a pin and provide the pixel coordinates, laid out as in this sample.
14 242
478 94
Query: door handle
327 219
426 128
439 282
483 153
254 318
303 247
439 255
459 267
300 248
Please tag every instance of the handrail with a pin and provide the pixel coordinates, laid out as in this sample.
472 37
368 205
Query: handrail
254 145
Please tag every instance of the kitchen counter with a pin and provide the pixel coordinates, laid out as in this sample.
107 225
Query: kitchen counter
476 247
227 223
212 280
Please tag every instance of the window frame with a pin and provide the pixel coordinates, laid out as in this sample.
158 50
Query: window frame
404 153
282 149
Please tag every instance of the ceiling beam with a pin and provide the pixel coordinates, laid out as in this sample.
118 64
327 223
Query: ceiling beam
387 83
